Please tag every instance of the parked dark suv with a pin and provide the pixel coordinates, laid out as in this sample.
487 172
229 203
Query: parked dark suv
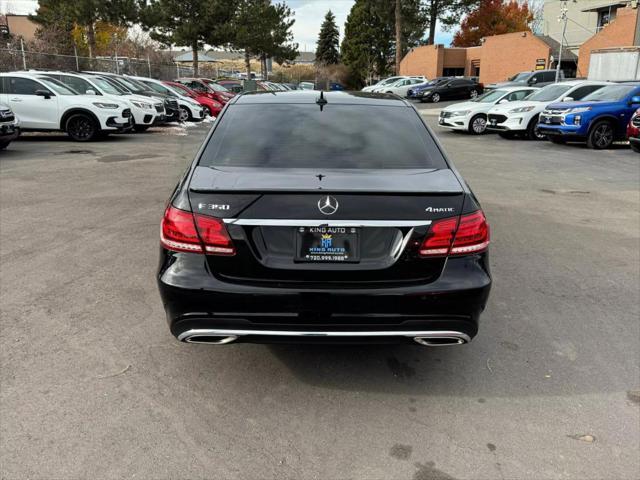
538 78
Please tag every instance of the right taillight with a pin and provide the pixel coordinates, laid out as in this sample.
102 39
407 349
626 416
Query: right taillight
450 236
183 231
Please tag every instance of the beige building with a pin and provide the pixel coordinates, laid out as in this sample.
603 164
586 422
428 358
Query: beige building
21 26
586 18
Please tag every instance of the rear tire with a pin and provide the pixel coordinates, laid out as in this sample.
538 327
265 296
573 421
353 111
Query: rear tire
82 127
183 115
532 130
507 135
601 135
478 124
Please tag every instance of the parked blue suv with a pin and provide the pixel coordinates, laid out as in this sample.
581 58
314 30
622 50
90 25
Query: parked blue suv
599 119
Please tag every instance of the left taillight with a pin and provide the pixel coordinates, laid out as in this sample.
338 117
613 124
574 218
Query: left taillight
183 231
453 236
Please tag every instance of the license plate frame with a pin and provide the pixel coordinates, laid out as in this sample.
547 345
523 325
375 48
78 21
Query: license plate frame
326 244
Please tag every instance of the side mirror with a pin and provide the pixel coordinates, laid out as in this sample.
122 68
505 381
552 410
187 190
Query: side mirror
504 100
567 99
44 93
91 92
532 81
635 99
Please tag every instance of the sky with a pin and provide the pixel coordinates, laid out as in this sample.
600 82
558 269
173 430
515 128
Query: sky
308 15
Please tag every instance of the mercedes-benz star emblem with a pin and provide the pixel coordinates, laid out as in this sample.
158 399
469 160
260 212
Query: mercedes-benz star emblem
328 205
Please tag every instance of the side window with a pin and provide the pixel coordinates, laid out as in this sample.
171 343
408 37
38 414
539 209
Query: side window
78 84
24 86
415 81
2 89
581 92
197 86
459 83
518 95
549 76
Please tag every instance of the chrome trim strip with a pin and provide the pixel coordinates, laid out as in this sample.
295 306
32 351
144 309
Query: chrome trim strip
268 222
220 332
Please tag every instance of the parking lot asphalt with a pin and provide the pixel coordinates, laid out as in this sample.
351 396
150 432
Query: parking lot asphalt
92 384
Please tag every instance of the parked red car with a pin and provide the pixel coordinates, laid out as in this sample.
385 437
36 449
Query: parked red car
211 107
208 87
234 86
633 131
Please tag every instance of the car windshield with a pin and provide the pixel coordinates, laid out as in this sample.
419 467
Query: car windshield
184 90
106 86
58 87
336 136
549 93
610 93
490 96
161 89
520 77
134 87
215 86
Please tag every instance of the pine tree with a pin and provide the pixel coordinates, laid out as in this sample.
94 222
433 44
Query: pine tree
193 23
327 52
263 30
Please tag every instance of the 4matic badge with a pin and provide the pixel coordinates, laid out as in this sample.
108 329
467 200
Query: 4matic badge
439 209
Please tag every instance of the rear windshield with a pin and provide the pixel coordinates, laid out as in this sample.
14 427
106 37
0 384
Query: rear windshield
338 136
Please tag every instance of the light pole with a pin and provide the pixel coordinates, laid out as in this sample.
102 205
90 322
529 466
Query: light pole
562 18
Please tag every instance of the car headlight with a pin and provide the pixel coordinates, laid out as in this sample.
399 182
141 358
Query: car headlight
460 113
579 110
522 109
110 106
144 106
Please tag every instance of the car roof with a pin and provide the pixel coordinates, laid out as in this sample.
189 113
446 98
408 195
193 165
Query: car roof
582 82
340 97
516 88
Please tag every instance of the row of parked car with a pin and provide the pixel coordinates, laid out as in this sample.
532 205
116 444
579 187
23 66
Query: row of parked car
531 105
89 105
598 113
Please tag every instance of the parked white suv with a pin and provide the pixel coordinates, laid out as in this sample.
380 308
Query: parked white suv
400 87
145 110
9 126
189 109
44 104
522 117
471 116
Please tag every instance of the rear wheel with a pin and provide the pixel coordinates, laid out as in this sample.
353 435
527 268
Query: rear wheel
82 127
473 93
507 135
183 115
533 133
601 135
478 124
435 98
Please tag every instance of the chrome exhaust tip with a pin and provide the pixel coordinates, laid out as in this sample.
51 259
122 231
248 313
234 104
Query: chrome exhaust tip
439 341
210 339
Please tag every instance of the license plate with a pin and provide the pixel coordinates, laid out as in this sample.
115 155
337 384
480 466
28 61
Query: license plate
327 244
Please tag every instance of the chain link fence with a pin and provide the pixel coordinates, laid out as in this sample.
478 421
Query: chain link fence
16 59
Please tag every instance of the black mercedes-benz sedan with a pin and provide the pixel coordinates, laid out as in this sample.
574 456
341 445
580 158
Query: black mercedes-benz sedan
332 217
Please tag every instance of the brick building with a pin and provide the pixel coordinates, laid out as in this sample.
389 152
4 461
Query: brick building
498 58
502 56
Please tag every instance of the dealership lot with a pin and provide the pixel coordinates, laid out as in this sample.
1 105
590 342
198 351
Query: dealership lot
94 385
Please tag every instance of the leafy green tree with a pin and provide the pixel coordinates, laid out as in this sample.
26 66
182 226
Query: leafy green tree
327 52
192 23
263 30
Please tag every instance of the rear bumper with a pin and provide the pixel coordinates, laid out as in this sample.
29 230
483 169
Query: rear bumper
195 300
